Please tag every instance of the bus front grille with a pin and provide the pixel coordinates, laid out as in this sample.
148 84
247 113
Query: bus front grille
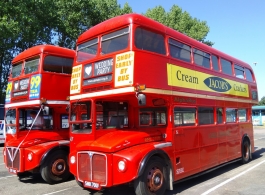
92 167
13 158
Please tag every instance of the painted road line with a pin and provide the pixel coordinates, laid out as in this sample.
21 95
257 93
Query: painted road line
231 179
259 138
7 177
58 191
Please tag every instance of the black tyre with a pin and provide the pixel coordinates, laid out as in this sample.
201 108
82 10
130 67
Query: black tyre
245 152
55 169
153 180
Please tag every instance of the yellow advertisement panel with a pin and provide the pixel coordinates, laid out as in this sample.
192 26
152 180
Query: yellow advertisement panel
124 67
76 79
191 79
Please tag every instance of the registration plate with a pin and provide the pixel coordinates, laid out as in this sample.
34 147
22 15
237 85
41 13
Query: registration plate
12 170
93 185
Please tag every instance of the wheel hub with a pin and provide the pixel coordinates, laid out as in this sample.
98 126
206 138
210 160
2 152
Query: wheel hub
155 179
58 167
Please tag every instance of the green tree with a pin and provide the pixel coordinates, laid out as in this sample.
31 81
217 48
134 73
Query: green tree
76 16
262 101
181 21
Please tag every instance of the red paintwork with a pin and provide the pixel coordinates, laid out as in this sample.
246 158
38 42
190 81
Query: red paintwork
54 87
198 148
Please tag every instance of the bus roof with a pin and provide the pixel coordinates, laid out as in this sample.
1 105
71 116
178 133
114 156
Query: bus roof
43 48
123 20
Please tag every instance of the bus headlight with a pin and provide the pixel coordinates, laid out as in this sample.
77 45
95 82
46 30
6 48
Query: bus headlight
72 159
30 156
122 165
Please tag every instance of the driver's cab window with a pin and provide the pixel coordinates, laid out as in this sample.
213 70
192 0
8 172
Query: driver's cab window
34 119
111 115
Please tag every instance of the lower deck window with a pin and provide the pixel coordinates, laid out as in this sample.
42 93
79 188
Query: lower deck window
231 115
184 116
205 115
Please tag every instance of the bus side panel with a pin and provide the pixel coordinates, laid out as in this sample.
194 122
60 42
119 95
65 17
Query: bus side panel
208 146
187 151
233 141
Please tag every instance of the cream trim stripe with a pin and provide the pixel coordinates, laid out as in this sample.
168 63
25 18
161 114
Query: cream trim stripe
25 103
32 102
102 93
162 92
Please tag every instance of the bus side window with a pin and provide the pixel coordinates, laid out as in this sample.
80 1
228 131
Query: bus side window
149 41
201 58
58 64
179 50
239 71
242 115
184 116
205 115
231 115
219 115
215 63
226 66
249 76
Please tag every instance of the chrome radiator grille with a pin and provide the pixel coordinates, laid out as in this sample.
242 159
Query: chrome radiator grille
92 167
13 158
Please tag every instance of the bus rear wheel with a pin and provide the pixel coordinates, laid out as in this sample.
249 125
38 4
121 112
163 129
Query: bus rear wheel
245 151
55 169
153 180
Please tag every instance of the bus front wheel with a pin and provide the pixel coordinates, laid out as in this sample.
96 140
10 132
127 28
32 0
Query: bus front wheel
153 180
55 169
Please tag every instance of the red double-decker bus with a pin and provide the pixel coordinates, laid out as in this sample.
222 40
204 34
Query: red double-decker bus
151 106
37 127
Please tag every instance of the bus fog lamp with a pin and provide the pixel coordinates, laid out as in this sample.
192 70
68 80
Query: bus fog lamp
72 159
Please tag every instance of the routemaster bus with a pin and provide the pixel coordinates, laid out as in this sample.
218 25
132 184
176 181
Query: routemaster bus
37 127
150 106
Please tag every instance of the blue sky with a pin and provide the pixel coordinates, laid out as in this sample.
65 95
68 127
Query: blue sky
237 27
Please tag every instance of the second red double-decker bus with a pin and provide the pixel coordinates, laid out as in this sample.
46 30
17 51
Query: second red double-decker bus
37 128
151 106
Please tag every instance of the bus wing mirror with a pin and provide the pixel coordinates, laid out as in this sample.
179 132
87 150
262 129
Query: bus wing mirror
141 99
46 110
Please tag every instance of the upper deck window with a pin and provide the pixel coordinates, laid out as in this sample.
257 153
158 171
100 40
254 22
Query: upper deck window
115 41
179 50
150 41
58 64
239 71
201 58
226 66
87 50
16 70
215 62
249 76
31 65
